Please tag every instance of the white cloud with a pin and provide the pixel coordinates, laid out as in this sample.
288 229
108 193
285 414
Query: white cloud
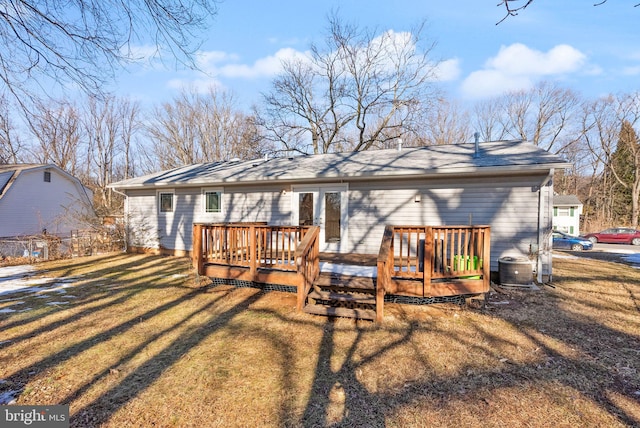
221 64
488 83
447 70
518 67
201 86
210 59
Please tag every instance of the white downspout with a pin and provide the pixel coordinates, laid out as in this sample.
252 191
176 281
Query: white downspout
125 218
544 249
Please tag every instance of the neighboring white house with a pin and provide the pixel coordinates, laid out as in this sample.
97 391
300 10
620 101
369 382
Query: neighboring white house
352 196
35 198
567 210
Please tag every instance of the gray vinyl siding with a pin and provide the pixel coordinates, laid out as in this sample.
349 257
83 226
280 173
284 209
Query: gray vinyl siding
508 204
31 205
150 228
142 218
271 203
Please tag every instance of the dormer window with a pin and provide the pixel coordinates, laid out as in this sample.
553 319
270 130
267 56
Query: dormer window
47 176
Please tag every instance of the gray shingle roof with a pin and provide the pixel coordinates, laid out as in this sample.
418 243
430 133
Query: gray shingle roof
459 159
566 200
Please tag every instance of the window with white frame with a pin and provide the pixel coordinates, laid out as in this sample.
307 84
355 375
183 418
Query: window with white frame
212 200
563 211
165 202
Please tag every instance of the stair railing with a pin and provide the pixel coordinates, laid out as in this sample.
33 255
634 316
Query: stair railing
307 256
385 269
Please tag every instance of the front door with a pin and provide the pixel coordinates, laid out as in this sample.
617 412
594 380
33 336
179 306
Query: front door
324 206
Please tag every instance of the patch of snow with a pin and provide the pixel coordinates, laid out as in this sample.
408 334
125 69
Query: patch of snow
57 303
6 310
616 250
9 273
368 271
8 397
11 300
633 258
564 256
16 279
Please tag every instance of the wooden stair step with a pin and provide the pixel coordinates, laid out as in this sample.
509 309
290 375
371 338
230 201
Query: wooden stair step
365 314
363 284
341 297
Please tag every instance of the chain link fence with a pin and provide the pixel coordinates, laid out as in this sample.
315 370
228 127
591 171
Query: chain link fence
29 249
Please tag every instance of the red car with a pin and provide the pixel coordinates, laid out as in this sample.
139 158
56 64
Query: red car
616 235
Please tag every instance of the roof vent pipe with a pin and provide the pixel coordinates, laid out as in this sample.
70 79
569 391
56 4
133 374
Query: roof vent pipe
476 136
399 144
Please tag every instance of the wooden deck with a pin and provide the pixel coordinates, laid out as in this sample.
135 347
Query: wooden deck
415 261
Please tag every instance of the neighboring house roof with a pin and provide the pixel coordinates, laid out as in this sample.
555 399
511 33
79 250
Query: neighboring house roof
9 173
459 159
566 200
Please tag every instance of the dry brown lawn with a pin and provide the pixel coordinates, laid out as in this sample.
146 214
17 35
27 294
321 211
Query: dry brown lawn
142 342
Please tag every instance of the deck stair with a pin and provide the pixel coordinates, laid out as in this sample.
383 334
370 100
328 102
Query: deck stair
342 296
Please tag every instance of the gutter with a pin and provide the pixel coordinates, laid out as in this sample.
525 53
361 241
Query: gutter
457 172
543 244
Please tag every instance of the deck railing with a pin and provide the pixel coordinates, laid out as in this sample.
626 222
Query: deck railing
412 261
233 244
448 260
256 252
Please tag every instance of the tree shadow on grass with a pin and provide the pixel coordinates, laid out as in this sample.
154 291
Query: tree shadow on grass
339 395
93 296
102 408
573 351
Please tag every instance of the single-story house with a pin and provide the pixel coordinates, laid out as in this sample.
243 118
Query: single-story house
41 198
567 210
352 196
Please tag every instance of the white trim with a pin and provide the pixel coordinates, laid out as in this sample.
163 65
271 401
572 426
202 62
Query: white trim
173 201
319 191
203 195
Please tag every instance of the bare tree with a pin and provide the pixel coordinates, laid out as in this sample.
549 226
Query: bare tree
83 42
56 126
361 90
624 162
109 124
447 123
613 143
11 146
546 115
513 7
200 128
487 120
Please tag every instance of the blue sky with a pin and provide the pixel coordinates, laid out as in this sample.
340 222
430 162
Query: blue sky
594 50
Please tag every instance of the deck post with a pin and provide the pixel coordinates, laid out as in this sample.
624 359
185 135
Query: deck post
428 257
253 262
196 249
486 261
380 291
